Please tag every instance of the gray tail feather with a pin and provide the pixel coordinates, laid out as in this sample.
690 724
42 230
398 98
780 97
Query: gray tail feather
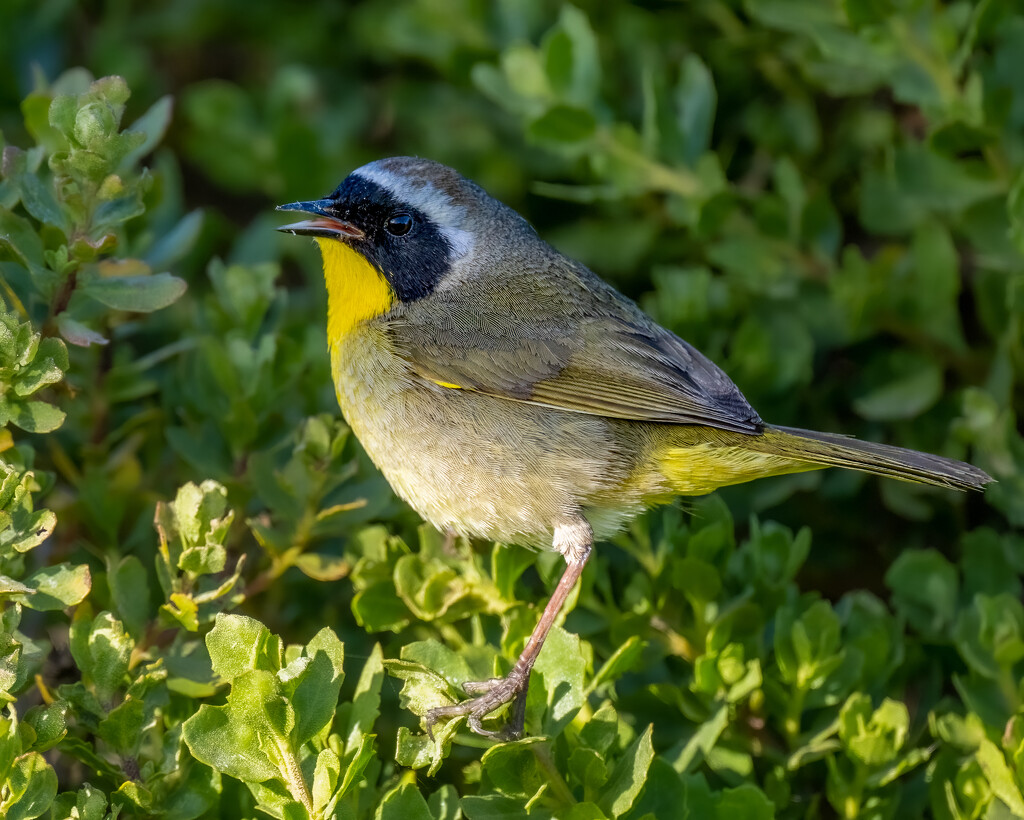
833 450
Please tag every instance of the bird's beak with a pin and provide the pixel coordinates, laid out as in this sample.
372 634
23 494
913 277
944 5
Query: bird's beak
324 222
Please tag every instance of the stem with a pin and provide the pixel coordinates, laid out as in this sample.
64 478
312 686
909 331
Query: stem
542 751
659 176
280 564
63 297
852 804
795 708
677 644
1009 686
293 777
938 70
130 767
12 297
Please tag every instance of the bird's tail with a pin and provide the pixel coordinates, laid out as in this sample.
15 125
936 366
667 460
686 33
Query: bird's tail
832 450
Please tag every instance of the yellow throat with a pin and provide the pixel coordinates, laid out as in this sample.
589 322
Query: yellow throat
356 291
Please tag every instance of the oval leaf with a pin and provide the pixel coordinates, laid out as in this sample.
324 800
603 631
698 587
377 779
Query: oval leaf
58 587
141 294
38 417
563 124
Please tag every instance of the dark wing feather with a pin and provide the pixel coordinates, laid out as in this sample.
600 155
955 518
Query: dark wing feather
573 344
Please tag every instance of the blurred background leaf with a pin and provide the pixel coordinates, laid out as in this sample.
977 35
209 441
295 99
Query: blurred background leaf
825 197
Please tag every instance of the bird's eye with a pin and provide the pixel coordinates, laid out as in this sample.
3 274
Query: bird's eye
399 224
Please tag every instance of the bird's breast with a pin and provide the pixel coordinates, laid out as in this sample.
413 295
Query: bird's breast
479 465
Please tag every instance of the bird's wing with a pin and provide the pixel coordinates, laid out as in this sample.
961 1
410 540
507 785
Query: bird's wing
594 353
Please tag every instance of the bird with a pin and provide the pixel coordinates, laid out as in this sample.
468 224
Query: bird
506 392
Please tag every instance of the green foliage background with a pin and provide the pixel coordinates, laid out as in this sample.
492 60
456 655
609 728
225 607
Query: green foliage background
826 197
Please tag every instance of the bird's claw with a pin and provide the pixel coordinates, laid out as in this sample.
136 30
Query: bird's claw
491 695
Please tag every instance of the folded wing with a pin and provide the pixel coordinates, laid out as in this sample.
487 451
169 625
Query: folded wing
581 347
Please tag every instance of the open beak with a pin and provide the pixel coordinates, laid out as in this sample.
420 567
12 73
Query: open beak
323 223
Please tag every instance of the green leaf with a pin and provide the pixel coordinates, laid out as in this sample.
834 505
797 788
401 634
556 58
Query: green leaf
109 651
88 802
602 730
695 101
585 811
563 125
9 586
321 567
990 634
357 758
35 110
664 794
114 210
919 182
558 680
703 740
571 58
807 646
248 737
206 559
1000 777
314 687
492 807
925 587
47 367
325 779
507 565
271 712
1015 210
30 529
49 723
905 386
37 417
152 125
628 776
20 241
414 751
200 514
430 671
129 589
873 737
217 737
58 587
38 198
76 333
94 122
273 798
378 609
773 556
362 712
177 242
122 728
404 802
698 580
239 644
30 786
444 803
141 294
622 661
746 801
513 769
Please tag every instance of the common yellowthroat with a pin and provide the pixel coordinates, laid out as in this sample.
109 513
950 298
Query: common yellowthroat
508 393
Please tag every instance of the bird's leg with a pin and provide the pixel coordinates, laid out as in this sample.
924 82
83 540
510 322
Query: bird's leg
574 540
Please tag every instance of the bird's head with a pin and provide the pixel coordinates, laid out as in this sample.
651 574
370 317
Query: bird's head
414 221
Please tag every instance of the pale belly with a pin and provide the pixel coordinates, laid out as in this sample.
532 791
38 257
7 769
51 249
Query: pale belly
483 466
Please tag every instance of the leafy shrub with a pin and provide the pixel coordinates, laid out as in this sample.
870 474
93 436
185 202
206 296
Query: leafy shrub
827 198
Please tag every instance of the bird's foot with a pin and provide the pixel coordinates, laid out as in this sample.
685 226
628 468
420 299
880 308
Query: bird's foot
490 695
